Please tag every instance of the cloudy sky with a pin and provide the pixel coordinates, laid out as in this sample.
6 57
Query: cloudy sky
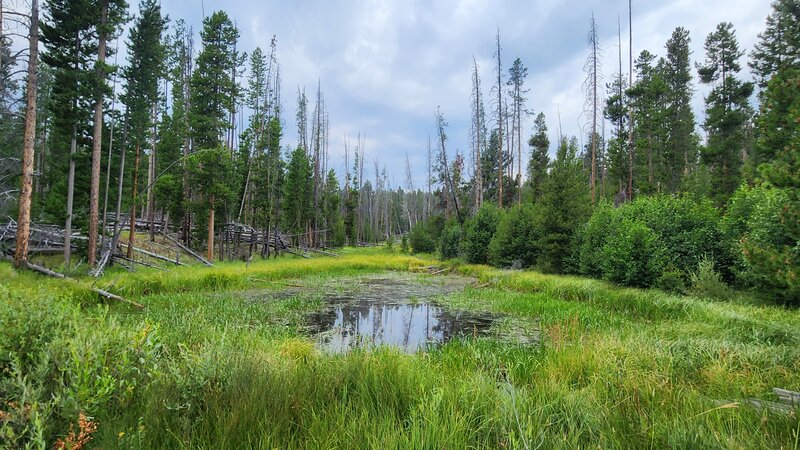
386 65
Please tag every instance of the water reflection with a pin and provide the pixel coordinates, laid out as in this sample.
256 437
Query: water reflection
408 326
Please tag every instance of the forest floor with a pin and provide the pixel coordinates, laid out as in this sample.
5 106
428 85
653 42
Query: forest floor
209 364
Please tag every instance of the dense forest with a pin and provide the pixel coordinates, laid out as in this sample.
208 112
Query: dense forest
192 134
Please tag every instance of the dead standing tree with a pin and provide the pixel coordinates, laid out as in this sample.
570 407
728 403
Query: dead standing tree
592 88
24 218
499 114
477 132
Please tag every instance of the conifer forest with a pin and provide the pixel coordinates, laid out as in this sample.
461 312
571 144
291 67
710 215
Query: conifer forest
439 242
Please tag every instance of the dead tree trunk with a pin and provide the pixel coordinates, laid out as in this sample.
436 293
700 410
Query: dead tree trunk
132 217
499 124
24 218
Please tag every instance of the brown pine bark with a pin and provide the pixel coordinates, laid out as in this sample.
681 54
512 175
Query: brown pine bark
24 218
97 136
210 251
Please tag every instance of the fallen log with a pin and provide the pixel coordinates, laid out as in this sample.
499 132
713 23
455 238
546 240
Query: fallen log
786 396
154 255
146 264
101 292
188 250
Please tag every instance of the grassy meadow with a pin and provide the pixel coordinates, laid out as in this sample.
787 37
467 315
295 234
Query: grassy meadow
203 366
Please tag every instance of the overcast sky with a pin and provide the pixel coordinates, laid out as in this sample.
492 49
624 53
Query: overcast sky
385 65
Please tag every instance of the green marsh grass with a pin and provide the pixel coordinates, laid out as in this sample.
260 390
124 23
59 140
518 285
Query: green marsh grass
208 365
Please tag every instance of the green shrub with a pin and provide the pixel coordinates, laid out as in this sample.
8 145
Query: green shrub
671 280
672 232
421 240
449 241
478 232
707 282
390 243
632 256
517 237
404 244
765 240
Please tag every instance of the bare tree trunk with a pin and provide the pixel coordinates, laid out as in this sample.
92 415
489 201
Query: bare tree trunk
71 174
26 188
97 136
151 175
630 106
210 251
108 161
499 125
132 218
70 195
120 183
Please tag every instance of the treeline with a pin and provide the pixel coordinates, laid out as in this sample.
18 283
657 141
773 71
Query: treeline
653 204
188 135
195 136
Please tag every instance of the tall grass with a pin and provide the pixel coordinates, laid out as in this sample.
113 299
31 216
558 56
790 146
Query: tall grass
205 366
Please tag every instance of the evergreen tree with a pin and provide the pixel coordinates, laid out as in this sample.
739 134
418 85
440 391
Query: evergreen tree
332 216
727 111
680 152
648 96
489 160
565 205
212 86
616 111
146 66
539 143
775 258
112 13
778 46
212 176
68 35
297 211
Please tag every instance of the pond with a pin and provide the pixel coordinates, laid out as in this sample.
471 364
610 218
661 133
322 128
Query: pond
407 311
396 309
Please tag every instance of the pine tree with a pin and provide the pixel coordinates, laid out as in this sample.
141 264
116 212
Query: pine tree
212 175
680 152
331 199
779 45
213 91
539 143
146 66
648 97
565 204
112 14
297 194
213 88
727 111
67 33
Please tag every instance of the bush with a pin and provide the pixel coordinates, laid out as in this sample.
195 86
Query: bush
517 237
762 238
672 234
404 244
390 243
478 232
707 282
421 240
449 241
632 256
